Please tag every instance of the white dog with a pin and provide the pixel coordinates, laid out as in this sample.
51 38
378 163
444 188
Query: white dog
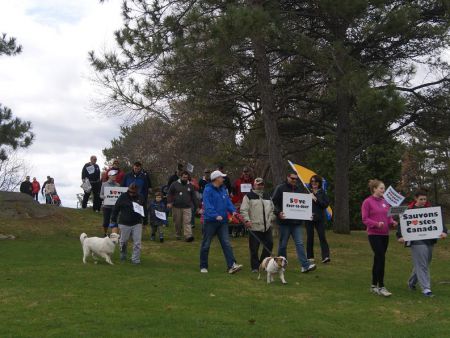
103 247
273 265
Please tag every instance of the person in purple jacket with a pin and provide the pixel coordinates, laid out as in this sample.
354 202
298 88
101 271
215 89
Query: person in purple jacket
374 212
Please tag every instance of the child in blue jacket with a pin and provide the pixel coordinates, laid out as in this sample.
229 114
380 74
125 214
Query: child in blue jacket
158 216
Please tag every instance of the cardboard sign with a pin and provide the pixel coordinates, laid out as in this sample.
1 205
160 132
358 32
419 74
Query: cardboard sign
90 169
393 197
422 223
395 211
190 167
112 194
161 215
139 209
297 206
246 187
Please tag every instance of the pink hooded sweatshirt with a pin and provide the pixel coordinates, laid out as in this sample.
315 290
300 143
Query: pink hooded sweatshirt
374 210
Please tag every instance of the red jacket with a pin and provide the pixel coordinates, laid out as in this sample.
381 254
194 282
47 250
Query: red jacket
35 187
238 195
119 177
412 204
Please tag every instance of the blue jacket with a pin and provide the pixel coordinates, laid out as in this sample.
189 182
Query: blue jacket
216 202
156 206
142 180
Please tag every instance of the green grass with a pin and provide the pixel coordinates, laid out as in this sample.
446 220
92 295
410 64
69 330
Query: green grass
46 291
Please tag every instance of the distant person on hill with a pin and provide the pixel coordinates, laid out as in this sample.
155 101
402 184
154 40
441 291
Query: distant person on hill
217 205
421 250
26 187
374 213
43 186
50 191
91 172
141 178
36 187
107 209
319 207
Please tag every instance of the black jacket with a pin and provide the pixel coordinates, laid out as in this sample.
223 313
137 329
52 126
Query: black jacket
26 187
182 195
277 199
319 206
124 210
95 176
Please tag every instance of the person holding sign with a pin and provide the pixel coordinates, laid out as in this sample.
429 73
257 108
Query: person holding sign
158 217
131 214
242 186
107 209
421 250
217 205
289 226
320 204
374 212
91 172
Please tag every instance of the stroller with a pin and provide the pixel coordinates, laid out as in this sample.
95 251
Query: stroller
55 200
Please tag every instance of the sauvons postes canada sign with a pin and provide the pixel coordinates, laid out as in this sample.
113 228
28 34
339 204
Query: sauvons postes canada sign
423 223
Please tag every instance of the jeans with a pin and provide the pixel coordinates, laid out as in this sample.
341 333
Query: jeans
379 246
107 216
320 227
296 232
209 231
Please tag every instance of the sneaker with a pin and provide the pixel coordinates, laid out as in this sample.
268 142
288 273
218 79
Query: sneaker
374 289
204 270
428 293
311 267
326 260
235 268
384 292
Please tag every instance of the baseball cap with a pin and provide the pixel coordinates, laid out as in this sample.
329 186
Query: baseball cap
259 180
217 173
112 173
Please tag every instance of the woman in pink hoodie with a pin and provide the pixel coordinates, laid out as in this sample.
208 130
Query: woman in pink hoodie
374 212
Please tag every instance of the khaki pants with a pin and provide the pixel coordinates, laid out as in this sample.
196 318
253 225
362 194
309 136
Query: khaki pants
182 220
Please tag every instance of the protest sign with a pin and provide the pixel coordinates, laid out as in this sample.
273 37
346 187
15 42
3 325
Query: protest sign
422 223
394 211
112 194
161 215
393 197
297 206
246 187
138 209
90 169
190 167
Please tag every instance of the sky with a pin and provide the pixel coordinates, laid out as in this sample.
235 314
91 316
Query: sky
50 84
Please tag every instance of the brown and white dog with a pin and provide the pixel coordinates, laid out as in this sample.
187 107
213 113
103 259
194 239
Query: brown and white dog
273 266
100 246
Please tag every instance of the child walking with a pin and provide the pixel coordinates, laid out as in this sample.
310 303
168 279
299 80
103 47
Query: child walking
158 217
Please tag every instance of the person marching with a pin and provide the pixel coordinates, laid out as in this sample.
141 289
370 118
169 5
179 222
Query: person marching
36 187
320 204
91 172
107 209
290 227
374 211
132 215
421 250
157 222
217 204
257 211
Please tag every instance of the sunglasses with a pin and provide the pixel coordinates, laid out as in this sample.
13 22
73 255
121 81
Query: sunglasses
293 178
259 183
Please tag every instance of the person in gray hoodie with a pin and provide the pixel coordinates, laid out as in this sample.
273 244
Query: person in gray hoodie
258 212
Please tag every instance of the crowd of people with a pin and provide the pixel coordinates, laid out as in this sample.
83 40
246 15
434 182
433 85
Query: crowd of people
246 203
48 190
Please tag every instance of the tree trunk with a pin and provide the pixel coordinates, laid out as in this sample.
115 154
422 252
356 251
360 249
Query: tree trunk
342 169
269 111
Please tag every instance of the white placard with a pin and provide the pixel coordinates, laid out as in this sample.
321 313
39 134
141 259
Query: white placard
297 206
421 223
393 197
246 187
112 194
161 215
190 167
395 211
139 209
90 169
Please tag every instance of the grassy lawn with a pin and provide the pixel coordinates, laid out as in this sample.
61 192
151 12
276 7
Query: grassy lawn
46 291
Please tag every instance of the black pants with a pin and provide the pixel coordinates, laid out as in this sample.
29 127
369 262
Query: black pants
36 196
320 228
379 246
97 202
107 216
266 239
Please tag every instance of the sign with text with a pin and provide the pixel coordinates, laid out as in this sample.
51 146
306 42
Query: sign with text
139 209
190 167
161 215
395 211
393 197
112 194
422 223
246 187
297 206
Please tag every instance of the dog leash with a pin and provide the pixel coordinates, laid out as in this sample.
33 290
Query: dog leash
260 242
